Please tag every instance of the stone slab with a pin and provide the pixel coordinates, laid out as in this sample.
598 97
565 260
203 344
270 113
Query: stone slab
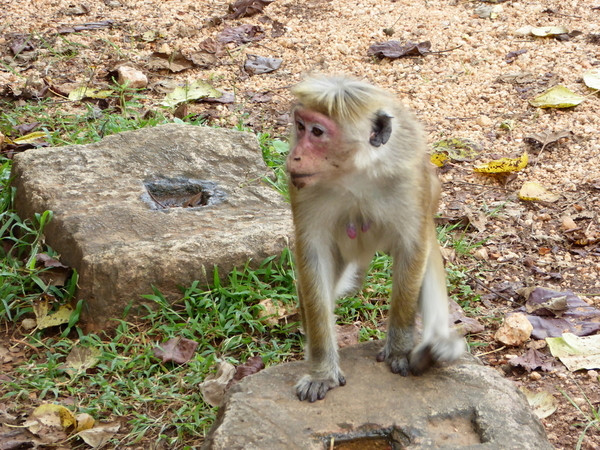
462 406
109 228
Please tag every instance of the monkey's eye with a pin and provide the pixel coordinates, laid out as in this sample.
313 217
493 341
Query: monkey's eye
317 131
300 126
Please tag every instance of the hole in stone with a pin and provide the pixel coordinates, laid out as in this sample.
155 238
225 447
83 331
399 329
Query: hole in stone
166 193
369 437
456 431
366 443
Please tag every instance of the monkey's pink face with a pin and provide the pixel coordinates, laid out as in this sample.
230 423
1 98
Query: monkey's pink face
317 152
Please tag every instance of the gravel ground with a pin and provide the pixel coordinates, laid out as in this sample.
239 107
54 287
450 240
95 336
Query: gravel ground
467 88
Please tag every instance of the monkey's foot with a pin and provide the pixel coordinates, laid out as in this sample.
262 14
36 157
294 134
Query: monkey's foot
314 388
426 355
398 362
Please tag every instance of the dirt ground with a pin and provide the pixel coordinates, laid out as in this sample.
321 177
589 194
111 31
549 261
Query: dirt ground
475 84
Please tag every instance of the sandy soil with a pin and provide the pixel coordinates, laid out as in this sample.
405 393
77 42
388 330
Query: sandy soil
468 90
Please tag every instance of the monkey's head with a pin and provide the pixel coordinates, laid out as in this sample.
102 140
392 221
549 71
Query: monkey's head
335 118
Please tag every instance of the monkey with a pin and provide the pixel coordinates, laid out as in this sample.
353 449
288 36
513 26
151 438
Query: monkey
360 181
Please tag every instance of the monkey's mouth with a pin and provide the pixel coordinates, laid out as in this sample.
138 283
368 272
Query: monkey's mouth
299 180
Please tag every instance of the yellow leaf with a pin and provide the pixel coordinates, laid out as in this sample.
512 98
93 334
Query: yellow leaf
557 97
45 320
439 159
53 416
81 358
87 92
84 422
30 138
503 165
531 191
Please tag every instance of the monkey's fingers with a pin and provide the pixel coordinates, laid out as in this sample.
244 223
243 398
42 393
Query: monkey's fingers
313 389
397 363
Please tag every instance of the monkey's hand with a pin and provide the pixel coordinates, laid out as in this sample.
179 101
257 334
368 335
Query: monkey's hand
313 387
398 361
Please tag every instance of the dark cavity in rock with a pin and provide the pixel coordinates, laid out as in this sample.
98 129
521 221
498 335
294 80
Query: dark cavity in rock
164 193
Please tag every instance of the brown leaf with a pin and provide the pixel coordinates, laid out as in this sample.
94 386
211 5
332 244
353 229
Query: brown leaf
77 10
253 365
278 29
532 360
86 26
241 35
178 350
257 65
579 318
466 325
393 49
175 62
20 44
246 8
57 273
546 139
204 60
211 46
512 56
262 97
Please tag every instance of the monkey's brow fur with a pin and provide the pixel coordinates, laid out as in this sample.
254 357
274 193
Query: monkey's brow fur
342 98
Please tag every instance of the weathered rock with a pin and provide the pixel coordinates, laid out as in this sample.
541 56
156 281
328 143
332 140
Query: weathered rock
463 406
109 227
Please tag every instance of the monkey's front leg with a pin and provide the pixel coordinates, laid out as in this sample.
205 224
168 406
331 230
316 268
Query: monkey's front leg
407 280
315 293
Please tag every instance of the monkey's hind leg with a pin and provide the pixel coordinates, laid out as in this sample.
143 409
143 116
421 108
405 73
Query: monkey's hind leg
439 342
403 308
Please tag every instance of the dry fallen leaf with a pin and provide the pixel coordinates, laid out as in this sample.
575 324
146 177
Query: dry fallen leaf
247 8
576 352
80 359
88 92
57 273
533 360
252 365
241 35
100 435
557 97
457 149
214 385
504 165
393 49
548 31
45 319
179 350
84 422
256 65
592 78
175 62
543 403
546 139
51 422
531 191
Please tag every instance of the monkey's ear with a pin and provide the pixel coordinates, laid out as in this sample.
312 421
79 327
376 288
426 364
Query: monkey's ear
381 130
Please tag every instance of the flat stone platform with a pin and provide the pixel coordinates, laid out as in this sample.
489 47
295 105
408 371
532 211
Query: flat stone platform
157 206
462 406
